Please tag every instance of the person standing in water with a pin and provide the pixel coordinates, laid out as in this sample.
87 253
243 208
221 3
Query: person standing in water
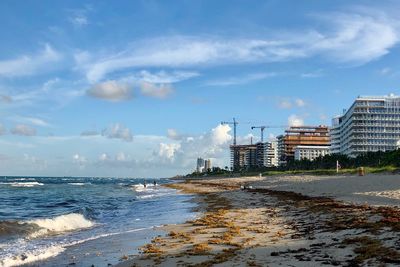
144 184
154 182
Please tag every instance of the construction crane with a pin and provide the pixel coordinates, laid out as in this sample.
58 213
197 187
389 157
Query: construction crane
262 128
234 123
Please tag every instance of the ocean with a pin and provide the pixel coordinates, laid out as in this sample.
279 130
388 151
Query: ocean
53 221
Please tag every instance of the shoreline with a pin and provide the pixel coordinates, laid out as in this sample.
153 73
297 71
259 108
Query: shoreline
260 226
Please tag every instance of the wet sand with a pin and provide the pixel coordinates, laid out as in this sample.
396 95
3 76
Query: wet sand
265 227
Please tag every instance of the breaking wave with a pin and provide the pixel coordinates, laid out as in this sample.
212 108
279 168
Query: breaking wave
31 256
62 223
41 227
23 184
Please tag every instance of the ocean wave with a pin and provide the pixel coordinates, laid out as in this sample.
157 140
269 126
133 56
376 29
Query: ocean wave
31 256
62 223
54 249
12 228
141 187
78 183
23 184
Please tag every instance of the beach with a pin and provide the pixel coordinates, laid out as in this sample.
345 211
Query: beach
285 221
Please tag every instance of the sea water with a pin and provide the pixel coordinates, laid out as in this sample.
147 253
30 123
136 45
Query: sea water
52 221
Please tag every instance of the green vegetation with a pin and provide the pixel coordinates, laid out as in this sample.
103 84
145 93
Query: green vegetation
373 162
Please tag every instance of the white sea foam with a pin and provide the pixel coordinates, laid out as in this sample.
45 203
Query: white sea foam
62 223
109 234
23 184
31 256
54 250
147 196
77 183
141 187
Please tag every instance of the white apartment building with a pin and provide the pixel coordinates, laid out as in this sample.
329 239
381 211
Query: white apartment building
372 123
272 154
310 152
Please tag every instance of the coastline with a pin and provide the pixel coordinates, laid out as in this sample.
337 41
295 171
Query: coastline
264 226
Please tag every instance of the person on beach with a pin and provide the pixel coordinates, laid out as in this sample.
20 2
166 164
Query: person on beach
154 183
144 184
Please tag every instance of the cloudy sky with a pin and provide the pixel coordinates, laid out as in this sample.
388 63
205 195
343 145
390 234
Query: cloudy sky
138 88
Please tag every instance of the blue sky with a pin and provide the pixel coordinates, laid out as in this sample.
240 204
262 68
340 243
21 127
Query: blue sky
138 88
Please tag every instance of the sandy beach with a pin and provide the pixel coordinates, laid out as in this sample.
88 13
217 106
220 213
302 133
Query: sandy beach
285 221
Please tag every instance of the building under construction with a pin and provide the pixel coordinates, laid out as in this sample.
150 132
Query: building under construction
301 136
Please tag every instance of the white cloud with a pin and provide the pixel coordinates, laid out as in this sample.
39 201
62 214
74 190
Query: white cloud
287 103
349 38
79 20
78 17
22 129
241 80
154 90
164 77
295 120
168 150
353 37
32 121
118 131
220 134
111 91
214 144
300 102
53 92
312 74
185 51
385 71
26 65
173 134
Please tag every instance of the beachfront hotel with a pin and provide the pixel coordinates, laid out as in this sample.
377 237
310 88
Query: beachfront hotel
311 136
372 123
310 152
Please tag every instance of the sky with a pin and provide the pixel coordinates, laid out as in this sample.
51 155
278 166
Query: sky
139 88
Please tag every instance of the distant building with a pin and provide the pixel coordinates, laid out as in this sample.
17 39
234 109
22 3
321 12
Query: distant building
272 154
253 156
207 165
310 152
243 156
200 165
372 123
300 136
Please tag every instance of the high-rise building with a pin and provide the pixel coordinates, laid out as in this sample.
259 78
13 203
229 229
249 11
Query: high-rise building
207 165
253 156
200 165
272 154
301 136
372 123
